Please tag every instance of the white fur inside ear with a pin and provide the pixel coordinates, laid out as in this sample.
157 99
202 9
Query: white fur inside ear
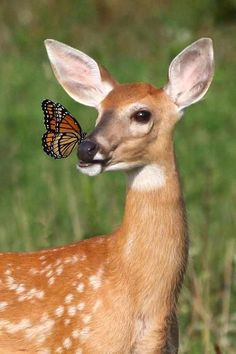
191 73
147 178
78 74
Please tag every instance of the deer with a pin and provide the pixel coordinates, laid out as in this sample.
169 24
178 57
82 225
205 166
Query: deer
115 293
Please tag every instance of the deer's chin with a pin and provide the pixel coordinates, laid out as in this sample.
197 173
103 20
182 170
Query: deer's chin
90 169
97 167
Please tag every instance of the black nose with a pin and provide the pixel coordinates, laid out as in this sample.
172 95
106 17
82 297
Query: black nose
87 150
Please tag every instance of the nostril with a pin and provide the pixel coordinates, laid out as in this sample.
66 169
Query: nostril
87 150
91 146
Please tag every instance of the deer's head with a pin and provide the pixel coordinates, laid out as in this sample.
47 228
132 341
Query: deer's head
135 121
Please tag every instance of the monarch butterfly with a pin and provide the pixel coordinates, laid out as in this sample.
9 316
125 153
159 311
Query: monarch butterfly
63 131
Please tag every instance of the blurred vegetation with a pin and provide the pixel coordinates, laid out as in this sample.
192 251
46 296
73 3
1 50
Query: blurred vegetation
46 203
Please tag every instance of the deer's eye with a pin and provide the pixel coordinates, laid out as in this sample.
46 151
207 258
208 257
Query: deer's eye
142 116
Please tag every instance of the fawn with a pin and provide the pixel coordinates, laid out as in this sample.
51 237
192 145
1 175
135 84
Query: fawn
113 294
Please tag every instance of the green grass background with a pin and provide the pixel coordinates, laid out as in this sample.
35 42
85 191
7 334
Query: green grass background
46 203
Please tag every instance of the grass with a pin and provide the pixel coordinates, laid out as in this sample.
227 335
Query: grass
47 203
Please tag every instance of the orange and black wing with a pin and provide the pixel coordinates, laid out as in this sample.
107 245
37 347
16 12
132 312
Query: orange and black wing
48 108
63 144
65 123
63 131
47 141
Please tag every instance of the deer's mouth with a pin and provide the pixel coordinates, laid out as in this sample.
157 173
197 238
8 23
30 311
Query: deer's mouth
92 168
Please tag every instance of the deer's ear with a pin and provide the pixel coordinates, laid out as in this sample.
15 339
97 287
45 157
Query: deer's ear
79 74
190 73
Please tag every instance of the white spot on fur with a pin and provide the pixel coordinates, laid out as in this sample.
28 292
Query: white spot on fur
67 343
33 271
80 287
69 298
11 283
79 275
22 298
75 333
47 268
84 334
42 258
79 351
58 261
72 310
59 311
74 259
59 350
32 294
11 327
45 351
81 306
95 280
51 281
67 260
67 321
3 305
41 331
20 289
49 274
147 178
82 257
96 305
86 319
59 270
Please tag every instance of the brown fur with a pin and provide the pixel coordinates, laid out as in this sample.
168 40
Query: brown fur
137 290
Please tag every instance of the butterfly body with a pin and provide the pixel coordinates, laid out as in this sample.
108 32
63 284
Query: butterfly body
63 132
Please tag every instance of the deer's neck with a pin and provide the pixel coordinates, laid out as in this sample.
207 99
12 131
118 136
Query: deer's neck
153 239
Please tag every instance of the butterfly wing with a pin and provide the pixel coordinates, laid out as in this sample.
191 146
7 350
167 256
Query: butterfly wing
48 108
47 141
63 144
65 122
63 130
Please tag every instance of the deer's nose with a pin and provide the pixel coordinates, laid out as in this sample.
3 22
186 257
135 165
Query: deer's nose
87 150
